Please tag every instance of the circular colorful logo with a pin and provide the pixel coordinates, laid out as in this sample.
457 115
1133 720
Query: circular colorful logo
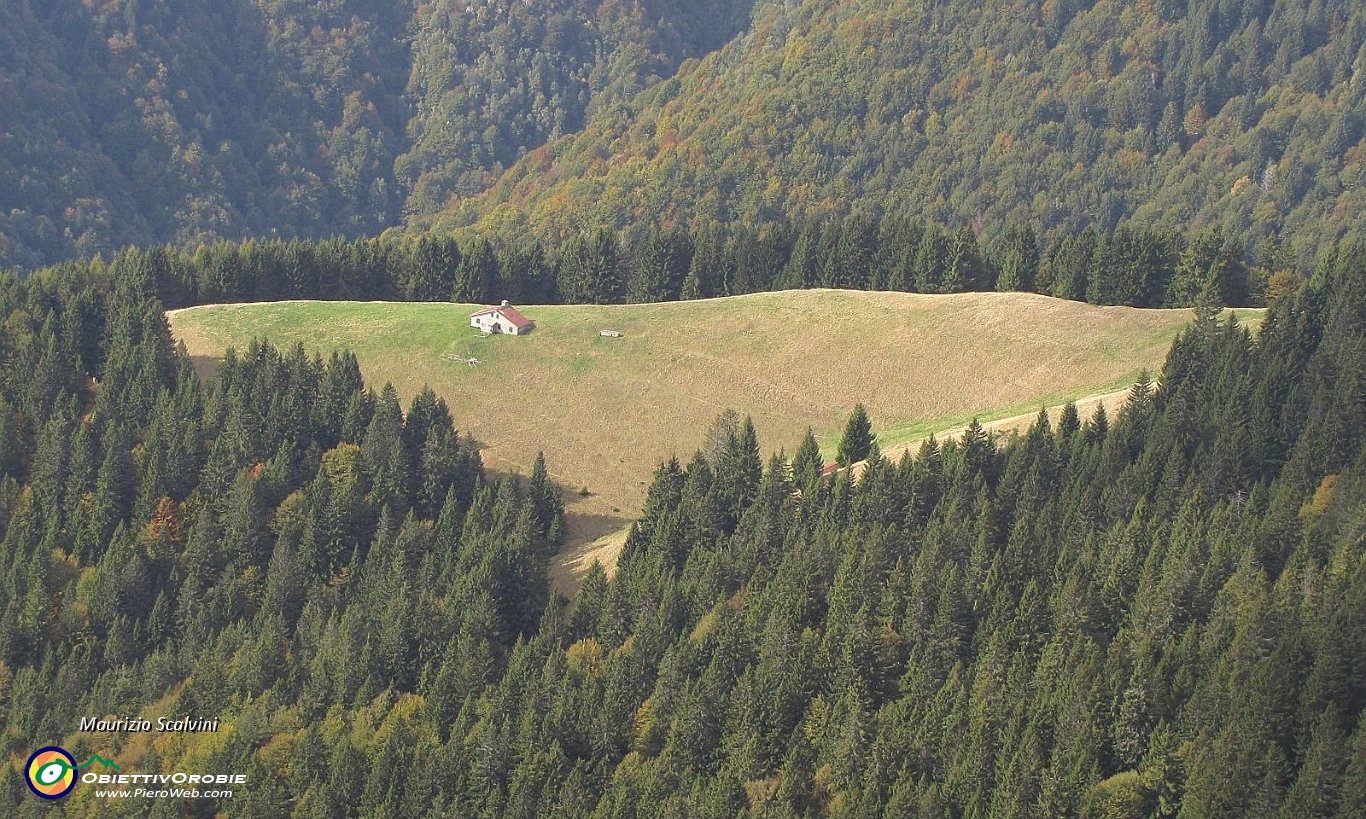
51 772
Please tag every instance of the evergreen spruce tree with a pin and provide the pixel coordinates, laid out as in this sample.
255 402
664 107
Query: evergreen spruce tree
476 274
607 285
857 441
1017 256
704 269
964 269
800 270
1071 262
576 280
898 240
930 260
850 264
430 274
545 499
1352 793
660 265
807 462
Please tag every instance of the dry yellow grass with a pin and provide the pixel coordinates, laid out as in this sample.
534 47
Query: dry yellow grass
605 411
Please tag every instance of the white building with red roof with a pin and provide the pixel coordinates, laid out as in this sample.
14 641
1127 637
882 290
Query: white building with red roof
501 319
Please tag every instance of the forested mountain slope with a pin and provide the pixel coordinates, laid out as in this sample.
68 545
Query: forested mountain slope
143 122
146 122
1247 115
1157 615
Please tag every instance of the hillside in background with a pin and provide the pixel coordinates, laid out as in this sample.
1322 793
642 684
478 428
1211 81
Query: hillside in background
134 122
1065 113
605 409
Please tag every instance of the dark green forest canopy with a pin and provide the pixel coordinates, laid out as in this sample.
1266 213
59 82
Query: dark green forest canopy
129 122
1160 614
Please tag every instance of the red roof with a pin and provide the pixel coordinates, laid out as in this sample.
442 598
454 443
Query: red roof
508 314
515 318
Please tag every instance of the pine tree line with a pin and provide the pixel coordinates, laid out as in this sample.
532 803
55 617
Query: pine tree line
1135 265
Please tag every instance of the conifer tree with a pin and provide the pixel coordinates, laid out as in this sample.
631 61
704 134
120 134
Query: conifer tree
898 241
1316 790
800 271
1069 421
476 274
964 269
704 269
851 262
1071 262
807 462
857 440
930 258
1017 255
547 506
576 278
430 274
660 266
607 285
1141 393
1352 793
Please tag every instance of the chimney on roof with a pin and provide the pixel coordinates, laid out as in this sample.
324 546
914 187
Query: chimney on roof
504 304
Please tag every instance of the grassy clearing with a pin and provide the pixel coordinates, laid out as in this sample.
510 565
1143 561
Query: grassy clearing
606 410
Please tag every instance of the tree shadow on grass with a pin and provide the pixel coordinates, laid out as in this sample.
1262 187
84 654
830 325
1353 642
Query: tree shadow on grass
205 366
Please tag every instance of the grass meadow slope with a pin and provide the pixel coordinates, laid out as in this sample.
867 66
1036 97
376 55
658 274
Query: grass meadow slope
605 410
